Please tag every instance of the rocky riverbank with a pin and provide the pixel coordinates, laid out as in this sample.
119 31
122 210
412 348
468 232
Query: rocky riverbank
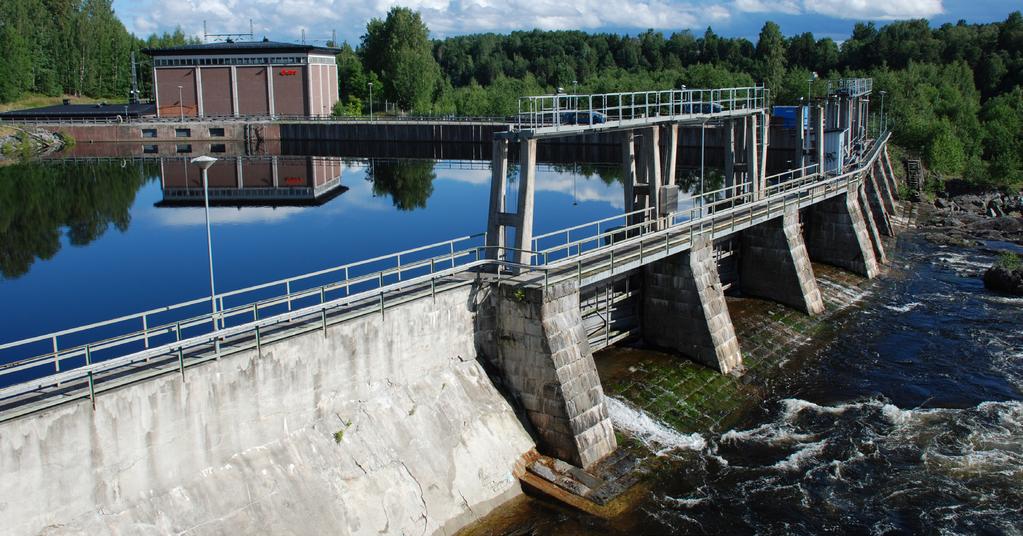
20 144
965 220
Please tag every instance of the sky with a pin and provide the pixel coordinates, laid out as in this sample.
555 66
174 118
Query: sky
284 20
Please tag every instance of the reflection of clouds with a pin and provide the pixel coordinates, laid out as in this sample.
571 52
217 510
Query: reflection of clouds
187 216
585 189
469 176
592 189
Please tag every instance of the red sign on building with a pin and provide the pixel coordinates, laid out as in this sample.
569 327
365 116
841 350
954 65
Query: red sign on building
288 72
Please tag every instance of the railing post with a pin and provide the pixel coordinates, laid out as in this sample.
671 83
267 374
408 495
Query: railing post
287 290
56 356
88 355
92 390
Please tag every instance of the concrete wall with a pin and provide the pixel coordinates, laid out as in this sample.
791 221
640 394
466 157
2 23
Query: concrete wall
538 341
387 426
684 308
775 265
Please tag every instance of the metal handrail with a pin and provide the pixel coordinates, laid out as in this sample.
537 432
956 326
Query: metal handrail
549 111
477 255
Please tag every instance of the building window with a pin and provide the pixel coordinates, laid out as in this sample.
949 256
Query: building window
184 147
150 149
149 133
182 133
217 132
218 148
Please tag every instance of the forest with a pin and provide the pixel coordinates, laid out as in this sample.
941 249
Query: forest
954 93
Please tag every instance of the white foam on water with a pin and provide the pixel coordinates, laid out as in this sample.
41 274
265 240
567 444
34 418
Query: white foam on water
655 435
904 308
769 433
963 264
685 503
801 456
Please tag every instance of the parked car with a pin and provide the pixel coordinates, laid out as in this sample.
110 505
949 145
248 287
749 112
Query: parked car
576 117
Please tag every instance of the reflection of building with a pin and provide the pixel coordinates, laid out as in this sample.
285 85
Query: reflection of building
259 78
273 181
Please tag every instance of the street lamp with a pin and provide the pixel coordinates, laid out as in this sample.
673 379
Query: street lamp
181 106
204 162
881 121
809 84
371 101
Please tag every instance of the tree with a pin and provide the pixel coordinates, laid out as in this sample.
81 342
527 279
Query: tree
771 55
398 50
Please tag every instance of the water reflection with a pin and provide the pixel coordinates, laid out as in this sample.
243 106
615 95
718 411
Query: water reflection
38 201
263 181
408 182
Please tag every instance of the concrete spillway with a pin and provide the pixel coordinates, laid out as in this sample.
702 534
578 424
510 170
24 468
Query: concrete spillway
385 426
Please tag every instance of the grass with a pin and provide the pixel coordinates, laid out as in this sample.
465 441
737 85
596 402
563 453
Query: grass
36 100
1009 261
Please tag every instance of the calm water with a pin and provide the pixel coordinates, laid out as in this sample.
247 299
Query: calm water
909 421
88 241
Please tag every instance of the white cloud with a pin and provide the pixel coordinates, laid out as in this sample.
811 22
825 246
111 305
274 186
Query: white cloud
285 19
875 9
790 7
846 9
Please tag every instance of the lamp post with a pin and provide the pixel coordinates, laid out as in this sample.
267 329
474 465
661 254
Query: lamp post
881 120
181 107
204 162
371 101
809 85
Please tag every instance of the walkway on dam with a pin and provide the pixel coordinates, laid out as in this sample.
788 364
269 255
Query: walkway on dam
82 362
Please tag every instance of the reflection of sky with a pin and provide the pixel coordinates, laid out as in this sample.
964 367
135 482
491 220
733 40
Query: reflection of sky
161 258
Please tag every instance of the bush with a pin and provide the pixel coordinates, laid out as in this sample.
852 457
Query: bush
1009 261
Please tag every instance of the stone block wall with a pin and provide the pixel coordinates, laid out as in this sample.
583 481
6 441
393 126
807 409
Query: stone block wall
836 234
541 349
875 198
873 228
774 264
684 308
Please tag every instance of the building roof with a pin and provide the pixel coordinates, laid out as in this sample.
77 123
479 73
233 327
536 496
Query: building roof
240 47
81 111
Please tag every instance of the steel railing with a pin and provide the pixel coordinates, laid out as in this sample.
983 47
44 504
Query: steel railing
146 119
610 109
180 328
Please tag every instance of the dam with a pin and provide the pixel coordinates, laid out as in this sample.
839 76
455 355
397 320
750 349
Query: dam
430 372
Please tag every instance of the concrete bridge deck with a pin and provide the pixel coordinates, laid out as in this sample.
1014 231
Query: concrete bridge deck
119 353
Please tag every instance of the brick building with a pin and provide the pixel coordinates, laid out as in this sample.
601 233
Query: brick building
252 78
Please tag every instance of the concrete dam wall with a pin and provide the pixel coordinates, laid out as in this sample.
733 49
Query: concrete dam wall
385 426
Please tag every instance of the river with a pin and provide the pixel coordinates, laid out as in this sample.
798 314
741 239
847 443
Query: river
907 419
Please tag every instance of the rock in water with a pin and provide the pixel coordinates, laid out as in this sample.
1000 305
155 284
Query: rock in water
1003 279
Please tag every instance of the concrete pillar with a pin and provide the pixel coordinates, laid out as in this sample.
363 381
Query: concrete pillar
765 140
752 159
270 91
684 308
774 264
730 154
885 187
544 355
671 153
876 203
887 162
234 91
836 234
156 92
798 160
629 170
527 188
818 132
872 227
198 92
498 187
652 159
